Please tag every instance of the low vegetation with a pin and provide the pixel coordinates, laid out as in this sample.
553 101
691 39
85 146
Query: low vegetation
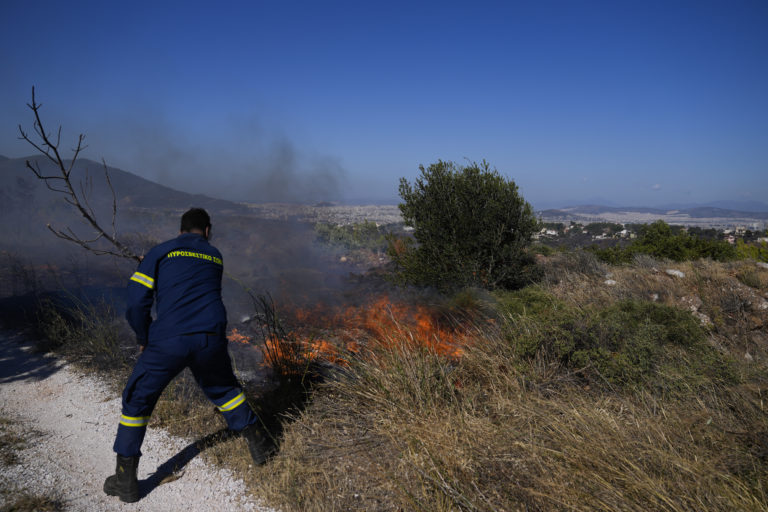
88 332
755 251
660 240
27 501
578 396
12 498
365 235
569 394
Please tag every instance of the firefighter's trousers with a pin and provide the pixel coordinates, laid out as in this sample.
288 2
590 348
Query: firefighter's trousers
206 355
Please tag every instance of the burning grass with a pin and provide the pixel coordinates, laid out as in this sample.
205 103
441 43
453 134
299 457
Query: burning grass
301 338
658 413
408 431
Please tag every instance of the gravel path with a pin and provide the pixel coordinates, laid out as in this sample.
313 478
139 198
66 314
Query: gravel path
69 422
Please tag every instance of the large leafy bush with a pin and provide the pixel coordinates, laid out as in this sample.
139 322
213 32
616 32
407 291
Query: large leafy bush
471 228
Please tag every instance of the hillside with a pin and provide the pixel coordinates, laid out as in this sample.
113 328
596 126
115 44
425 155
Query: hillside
27 205
20 188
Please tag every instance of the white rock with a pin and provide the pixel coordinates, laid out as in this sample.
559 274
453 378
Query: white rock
654 297
693 302
609 282
748 356
703 319
762 264
675 273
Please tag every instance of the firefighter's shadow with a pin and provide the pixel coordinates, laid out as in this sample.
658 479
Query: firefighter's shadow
272 407
173 468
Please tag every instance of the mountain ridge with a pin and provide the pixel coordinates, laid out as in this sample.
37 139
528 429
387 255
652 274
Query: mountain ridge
131 190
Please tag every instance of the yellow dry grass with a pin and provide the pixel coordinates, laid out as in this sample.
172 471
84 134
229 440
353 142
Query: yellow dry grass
407 430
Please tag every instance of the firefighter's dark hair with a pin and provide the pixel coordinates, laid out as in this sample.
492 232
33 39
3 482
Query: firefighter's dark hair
195 219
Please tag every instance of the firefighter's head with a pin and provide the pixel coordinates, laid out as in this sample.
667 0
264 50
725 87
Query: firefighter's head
196 220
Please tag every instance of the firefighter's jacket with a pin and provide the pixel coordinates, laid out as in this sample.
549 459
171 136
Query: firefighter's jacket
183 277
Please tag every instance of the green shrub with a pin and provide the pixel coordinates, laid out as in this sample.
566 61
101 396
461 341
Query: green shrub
364 235
754 251
542 249
661 240
615 255
471 228
626 344
603 228
531 301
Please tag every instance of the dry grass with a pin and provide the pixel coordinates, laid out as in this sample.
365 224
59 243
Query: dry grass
10 442
405 429
90 334
407 432
26 501
12 498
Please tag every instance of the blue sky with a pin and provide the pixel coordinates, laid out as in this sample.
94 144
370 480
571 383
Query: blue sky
634 103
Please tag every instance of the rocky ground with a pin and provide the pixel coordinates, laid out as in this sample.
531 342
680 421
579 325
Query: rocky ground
64 424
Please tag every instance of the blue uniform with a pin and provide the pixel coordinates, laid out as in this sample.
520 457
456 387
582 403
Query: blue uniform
182 277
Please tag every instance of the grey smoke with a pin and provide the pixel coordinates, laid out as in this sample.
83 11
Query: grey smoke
248 164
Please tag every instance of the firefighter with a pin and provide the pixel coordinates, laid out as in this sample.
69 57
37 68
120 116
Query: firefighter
182 277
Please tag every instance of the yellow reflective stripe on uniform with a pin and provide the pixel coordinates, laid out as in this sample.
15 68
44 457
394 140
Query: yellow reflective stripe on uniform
143 279
198 255
134 421
239 399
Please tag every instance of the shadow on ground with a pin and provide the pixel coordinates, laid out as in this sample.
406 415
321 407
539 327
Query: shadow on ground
173 468
18 362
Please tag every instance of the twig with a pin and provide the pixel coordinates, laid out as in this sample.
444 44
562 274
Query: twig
50 149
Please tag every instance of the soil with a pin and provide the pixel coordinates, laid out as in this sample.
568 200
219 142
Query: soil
68 421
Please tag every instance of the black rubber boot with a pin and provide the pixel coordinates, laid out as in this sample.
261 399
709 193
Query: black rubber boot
259 445
124 483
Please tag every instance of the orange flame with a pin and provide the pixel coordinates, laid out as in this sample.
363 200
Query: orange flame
237 337
293 355
382 322
390 323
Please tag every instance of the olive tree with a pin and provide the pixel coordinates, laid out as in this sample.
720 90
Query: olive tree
470 228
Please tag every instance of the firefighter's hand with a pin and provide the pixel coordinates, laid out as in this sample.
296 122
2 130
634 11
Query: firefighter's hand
141 348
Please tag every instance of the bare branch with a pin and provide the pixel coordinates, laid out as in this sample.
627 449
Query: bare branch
84 244
85 190
25 137
114 198
80 201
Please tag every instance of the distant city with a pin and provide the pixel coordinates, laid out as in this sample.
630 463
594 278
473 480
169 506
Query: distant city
703 217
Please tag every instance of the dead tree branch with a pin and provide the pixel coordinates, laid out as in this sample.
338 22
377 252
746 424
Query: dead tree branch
61 183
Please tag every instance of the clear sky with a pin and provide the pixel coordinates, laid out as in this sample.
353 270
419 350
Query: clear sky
632 102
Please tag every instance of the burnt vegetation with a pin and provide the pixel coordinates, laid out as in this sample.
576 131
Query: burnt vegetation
452 363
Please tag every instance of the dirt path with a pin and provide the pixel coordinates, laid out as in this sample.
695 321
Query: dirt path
69 422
